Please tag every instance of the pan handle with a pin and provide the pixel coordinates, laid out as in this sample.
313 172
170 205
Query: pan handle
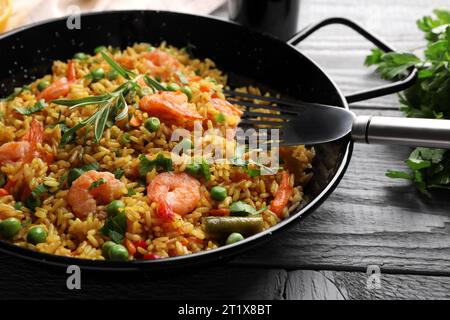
366 94
416 132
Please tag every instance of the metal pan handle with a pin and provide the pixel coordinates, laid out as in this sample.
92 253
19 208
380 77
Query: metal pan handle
366 94
417 132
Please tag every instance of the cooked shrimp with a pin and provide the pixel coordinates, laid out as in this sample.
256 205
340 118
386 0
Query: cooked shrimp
61 87
171 106
231 113
26 149
84 200
175 193
14 151
161 63
282 195
126 62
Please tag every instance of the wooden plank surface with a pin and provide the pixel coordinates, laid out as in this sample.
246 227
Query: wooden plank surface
210 283
331 285
23 280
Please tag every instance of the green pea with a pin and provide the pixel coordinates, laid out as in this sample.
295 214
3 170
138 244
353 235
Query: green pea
106 249
10 227
80 56
36 235
98 74
118 253
218 193
125 138
100 49
112 75
42 85
152 124
173 87
234 237
187 91
114 207
193 169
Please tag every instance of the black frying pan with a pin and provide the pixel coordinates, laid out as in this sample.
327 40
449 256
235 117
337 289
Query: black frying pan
247 57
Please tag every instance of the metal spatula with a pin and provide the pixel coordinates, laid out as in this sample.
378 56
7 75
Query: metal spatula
313 123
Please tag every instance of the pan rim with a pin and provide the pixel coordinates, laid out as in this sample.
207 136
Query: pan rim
219 253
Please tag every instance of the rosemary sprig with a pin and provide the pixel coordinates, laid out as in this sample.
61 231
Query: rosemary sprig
127 74
109 104
155 84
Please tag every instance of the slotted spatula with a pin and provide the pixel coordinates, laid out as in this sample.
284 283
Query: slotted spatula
313 123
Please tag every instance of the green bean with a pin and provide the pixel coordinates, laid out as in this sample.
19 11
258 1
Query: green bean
223 226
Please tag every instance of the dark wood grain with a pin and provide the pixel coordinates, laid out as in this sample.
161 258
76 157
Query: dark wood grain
211 283
331 285
24 280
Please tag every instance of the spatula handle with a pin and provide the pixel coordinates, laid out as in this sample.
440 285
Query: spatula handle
415 132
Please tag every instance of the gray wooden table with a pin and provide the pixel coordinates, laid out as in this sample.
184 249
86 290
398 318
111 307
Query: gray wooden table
368 220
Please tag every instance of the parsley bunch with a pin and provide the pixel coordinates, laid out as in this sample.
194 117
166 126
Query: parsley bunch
429 97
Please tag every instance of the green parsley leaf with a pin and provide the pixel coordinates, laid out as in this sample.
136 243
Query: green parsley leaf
38 106
97 183
131 192
242 209
115 227
205 170
398 175
91 166
118 173
146 165
34 199
220 118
